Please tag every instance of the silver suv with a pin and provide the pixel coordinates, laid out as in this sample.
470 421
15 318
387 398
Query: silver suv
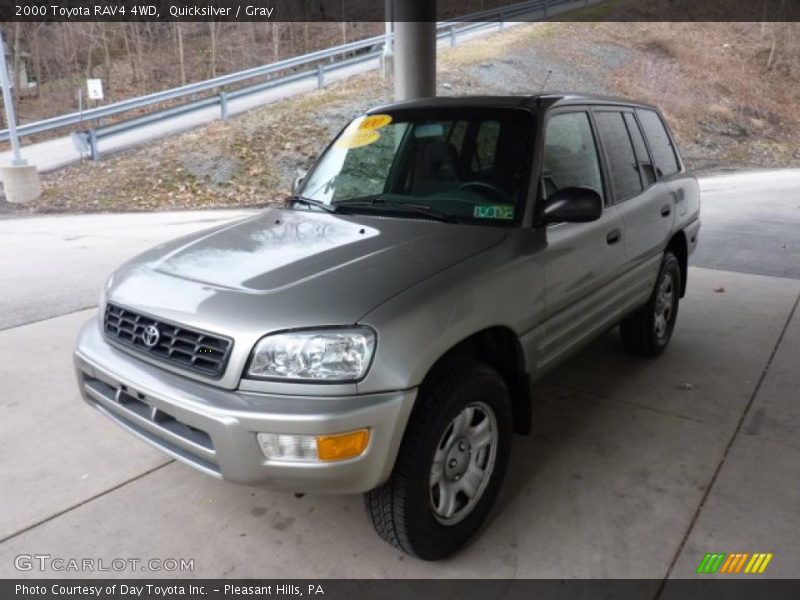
380 332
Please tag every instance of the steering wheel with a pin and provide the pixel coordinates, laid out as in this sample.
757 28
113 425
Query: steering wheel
483 187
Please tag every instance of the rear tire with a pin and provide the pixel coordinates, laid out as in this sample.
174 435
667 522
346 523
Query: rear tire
647 332
450 464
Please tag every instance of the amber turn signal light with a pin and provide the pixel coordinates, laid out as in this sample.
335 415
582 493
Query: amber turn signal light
343 445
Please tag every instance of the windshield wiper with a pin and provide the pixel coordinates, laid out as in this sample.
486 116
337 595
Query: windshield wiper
411 207
311 202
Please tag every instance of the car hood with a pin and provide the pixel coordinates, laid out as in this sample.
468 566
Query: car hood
292 268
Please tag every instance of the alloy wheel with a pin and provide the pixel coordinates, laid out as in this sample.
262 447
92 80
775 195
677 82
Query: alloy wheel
665 303
463 463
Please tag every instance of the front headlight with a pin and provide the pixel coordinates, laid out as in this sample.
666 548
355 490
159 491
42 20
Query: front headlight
322 355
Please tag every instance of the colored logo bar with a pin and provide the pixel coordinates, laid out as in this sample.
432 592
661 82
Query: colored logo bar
738 562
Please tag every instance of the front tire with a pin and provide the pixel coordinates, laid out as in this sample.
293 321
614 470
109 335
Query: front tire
450 465
647 332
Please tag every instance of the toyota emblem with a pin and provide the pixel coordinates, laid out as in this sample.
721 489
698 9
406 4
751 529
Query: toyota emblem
150 336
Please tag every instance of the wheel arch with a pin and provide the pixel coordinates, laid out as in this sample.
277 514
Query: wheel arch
499 347
679 246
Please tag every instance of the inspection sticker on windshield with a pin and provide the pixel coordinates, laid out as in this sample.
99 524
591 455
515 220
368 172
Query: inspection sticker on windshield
493 211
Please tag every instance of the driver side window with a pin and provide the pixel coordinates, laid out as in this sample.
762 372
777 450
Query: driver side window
570 154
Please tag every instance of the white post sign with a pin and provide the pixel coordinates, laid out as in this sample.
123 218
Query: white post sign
94 88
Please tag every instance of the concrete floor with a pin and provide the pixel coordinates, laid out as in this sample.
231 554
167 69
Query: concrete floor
636 468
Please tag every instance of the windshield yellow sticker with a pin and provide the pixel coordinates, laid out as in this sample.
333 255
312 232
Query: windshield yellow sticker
374 122
358 138
363 131
494 211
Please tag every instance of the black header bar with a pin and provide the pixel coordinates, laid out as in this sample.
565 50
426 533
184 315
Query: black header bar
403 10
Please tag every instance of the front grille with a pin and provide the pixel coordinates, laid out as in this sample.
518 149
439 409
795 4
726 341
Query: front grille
177 345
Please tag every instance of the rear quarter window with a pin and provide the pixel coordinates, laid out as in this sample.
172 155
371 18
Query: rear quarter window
664 157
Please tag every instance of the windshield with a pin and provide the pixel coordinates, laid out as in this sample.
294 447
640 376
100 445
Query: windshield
454 164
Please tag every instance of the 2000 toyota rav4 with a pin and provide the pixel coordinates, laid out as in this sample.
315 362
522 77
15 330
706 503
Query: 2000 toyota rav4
380 332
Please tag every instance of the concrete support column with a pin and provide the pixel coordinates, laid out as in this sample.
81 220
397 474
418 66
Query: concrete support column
20 183
387 59
414 49
20 180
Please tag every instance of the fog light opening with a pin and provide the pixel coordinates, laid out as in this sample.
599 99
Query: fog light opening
279 446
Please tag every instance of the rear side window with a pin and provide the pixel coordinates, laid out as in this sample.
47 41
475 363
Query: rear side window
660 145
622 163
570 154
646 169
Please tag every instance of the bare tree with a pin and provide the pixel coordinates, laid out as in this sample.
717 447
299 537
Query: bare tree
213 33
276 41
36 52
140 76
181 57
104 42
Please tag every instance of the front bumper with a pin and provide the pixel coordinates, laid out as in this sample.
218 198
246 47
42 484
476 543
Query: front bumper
214 430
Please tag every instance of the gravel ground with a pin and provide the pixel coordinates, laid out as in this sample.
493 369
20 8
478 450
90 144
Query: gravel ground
531 69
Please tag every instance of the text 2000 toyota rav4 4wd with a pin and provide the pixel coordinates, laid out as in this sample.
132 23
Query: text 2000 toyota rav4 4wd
380 332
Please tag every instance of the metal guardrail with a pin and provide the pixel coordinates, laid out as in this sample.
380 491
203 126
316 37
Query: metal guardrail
347 54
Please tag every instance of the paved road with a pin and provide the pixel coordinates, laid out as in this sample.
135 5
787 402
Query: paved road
751 223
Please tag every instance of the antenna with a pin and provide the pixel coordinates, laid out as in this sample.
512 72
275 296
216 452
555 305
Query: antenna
546 79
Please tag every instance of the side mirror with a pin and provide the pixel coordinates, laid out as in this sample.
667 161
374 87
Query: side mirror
572 205
298 181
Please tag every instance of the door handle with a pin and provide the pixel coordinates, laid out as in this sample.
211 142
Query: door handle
613 236
666 210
